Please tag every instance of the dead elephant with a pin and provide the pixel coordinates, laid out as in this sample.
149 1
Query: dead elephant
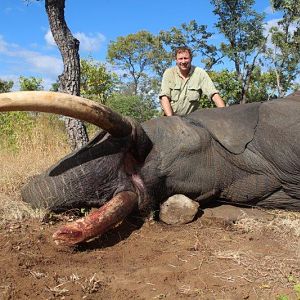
244 154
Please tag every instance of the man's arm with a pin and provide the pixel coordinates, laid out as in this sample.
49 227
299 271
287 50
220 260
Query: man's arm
218 100
166 106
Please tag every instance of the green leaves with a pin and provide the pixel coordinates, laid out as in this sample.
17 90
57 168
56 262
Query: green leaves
289 7
195 37
96 82
242 28
30 83
283 53
14 124
133 54
6 85
132 106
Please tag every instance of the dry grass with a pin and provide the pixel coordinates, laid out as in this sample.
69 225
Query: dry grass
38 149
268 269
282 222
87 285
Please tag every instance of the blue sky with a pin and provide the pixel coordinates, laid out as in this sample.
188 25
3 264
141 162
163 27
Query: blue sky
27 49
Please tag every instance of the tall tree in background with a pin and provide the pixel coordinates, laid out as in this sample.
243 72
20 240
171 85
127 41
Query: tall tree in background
242 27
133 54
195 37
291 7
161 58
291 11
284 49
284 57
69 80
96 82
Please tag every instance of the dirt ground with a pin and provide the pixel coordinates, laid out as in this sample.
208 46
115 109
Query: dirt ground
226 253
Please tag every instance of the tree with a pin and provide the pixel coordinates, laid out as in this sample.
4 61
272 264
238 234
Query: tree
6 85
30 83
149 89
69 80
284 51
262 86
290 7
132 106
54 87
195 37
160 57
242 27
283 55
96 82
133 54
227 84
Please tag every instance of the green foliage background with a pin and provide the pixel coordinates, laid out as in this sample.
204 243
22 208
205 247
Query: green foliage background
14 124
132 106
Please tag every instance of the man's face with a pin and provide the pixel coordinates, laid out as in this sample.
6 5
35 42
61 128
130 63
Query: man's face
183 61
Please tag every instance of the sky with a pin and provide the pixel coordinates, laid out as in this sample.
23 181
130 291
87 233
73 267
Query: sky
27 47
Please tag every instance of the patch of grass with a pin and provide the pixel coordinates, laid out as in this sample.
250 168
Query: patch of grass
282 297
283 222
37 146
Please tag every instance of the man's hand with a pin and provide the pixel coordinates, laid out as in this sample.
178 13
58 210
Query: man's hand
166 106
218 100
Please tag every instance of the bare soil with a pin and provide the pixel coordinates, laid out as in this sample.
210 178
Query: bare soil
226 253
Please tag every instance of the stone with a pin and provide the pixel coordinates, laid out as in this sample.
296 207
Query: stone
178 210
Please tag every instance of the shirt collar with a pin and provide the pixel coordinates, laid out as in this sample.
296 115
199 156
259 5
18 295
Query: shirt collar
190 73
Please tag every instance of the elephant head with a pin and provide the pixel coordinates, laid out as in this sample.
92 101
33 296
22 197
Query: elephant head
104 172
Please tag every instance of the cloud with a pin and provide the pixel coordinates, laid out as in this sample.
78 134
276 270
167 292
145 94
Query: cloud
42 63
34 60
49 38
270 24
20 61
3 44
274 23
10 9
269 10
89 43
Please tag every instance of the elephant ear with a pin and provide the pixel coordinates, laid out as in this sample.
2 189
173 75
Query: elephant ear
233 127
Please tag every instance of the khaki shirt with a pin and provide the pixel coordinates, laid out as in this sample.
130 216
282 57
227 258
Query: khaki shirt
184 94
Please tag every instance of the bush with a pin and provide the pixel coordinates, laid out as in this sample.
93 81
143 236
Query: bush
132 106
17 128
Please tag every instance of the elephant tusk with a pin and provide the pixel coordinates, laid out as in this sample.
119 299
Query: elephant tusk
68 105
97 222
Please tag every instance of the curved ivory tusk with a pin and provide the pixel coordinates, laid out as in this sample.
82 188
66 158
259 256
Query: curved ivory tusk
97 222
67 105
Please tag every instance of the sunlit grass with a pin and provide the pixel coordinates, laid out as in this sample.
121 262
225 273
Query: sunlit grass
35 149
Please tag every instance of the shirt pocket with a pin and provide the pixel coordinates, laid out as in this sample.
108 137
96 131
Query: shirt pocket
175 92
193 93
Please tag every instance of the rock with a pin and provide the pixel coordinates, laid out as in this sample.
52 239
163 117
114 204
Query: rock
178 210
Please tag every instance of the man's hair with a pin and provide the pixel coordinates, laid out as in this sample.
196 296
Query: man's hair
183 49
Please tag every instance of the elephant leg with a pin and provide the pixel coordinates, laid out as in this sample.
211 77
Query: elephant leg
251 189
281 200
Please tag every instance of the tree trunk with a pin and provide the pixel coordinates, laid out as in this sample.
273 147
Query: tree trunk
69 80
